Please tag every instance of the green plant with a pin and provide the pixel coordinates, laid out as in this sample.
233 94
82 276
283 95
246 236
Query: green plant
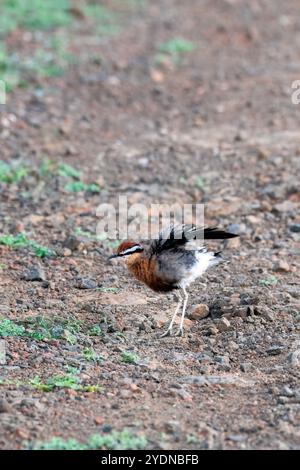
69 381
114 290
41 328
91 355
200 183
269 281
176 48
9 328
104 20
78 186
34 14
95 330
122 440
21 241
57 381
12 174
69 171
129 358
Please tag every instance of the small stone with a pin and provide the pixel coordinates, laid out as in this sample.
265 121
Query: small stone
224 360
246 367
5 406
286 206
236 228
213 330
264 311
236 438
99 420
233 346
72 243
295 228
145 326
34 273
199 312
22 433
223 324
263 154
294 358
282 400
287 391
275 350
172 427
85 283
281 266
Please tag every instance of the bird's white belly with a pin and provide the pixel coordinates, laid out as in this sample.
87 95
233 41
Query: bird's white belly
204 261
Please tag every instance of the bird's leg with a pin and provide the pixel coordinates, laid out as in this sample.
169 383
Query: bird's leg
168 332
186 296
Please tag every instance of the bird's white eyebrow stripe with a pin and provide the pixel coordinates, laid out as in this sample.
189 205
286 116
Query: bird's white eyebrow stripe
131 250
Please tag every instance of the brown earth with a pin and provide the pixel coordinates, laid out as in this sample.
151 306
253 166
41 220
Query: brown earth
218 128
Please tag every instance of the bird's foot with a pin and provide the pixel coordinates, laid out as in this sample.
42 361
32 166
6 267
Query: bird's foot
179 332
168 332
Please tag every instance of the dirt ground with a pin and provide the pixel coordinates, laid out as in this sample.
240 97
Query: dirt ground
217 127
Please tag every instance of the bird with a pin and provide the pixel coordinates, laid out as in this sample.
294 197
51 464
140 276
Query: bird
167 264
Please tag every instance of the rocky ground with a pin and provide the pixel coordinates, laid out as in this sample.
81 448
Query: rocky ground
214 125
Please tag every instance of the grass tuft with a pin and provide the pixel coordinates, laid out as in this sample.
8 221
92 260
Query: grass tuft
119 440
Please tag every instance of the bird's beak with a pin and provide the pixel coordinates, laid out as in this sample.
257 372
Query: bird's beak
116 255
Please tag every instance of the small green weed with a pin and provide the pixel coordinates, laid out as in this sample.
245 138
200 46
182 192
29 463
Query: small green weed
175 48
122 440
95 330
69 171
200 183
114 290
105 21
34 14
69 381
21 241
11 174
79 186
41 328
10 328
129 358
269 281
91 355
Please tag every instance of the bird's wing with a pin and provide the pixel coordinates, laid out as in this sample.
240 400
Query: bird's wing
178 236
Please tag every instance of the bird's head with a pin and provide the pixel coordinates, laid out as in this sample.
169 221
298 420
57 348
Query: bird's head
128 248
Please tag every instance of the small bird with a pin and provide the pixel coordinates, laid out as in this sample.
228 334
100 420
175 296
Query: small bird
166 263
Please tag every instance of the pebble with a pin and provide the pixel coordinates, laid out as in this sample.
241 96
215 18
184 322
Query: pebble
5 406
294 358
224 360
287 391
246 367
286 206
223 324
85 283
213 330
199 312
72 243
281 266
264 311
34 273
227 379
275 350
295 228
